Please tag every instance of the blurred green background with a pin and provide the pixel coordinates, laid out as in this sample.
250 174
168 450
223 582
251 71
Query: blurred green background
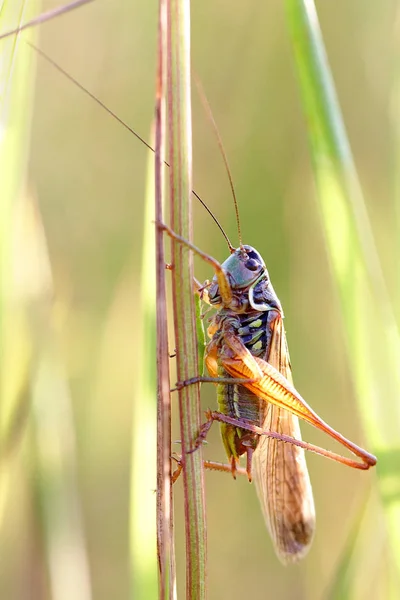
88 175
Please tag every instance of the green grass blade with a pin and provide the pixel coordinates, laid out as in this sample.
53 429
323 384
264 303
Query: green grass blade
371 333
143 461
17 72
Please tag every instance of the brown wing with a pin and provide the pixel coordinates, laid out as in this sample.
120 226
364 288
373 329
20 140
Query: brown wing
281 475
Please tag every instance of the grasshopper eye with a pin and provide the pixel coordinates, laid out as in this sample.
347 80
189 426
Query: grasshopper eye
252 264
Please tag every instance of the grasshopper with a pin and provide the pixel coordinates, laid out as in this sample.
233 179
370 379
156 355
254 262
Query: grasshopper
259 407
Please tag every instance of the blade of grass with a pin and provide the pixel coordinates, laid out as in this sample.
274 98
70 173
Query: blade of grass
16 94
371 333
395 129
143 461
17 72
180 130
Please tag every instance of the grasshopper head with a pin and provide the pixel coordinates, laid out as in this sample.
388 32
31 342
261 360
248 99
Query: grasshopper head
244 266
246 271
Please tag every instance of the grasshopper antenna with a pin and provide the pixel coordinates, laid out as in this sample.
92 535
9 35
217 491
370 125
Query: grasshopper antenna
122 122
46 16
207 108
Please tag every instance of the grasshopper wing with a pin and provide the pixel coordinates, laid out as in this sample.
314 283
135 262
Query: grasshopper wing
281 474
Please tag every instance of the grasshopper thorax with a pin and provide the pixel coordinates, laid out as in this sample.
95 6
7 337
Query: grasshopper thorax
249 283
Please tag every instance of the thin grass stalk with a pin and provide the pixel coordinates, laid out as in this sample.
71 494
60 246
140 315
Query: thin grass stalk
165 530
394 103
371 333
16 94
180 130
143 458
17 72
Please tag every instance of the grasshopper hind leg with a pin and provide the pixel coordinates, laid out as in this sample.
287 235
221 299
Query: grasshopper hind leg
210 465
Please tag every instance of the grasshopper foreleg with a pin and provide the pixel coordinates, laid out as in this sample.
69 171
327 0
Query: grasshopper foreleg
217 380
201 290
223 281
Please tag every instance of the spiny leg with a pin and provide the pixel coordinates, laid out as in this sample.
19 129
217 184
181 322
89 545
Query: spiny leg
249 459
201 290
273 387
243 424
204 379
211 466
205 428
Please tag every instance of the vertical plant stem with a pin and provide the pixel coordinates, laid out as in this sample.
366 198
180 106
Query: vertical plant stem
165 538
180 130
